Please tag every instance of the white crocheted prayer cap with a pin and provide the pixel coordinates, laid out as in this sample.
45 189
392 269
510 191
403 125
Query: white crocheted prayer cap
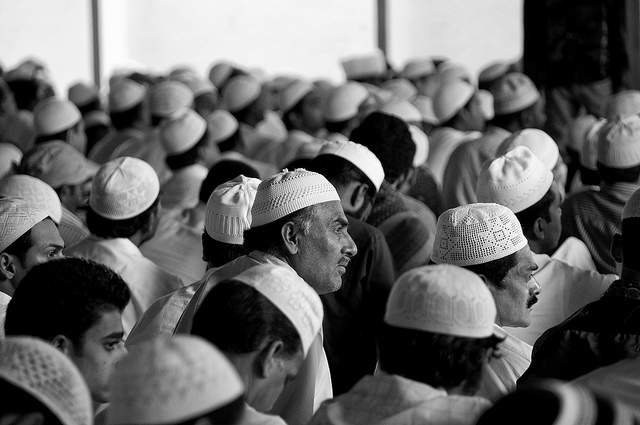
289 191
442 299
539 142
81 93
220 73
623 104
17 217
493 71
343 102
359 156
58 163
514 92
291 294
240 92
619 143
169 98
168 380
589 152
228 212
362 66
35 192
416 68
403 110
294 93
47 375
53 115
476 234
222 125
421 141
450 98
125 94
10 156
180 134
401 89
517 180
123 188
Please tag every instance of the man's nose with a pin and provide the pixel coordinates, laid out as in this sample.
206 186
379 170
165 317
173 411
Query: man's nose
350 247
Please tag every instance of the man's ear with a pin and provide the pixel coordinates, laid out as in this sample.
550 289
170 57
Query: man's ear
62 343
357 196
268 361
616 247
7 267
289 234
539 228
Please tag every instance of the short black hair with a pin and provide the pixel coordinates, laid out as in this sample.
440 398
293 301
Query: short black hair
127 118
513 118
540 209
612 175
337 126
93 105
267 238
295 109
390 140
26 93
238 319
17 400
340 172
188 157
230 143
20 246
439 360
242 114
62 135
107 228
495 270
223 171
218 253
64 297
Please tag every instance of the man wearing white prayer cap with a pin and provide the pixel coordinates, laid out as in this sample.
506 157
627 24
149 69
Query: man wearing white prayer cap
492 73
69 173
520 181
269 297
84 96
285 205
221 72
346 106
488 240
40 384
57 119
458 110
10 157
401 89
420 72
370 68
437 338
205 94
123 214
353 315
35 192
517 105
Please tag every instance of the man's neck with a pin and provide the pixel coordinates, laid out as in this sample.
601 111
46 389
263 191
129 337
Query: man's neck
7 287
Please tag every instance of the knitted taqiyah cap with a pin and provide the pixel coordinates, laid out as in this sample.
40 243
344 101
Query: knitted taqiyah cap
124 94
240 92
57 163
619 143
359 156
450 98
291 294
486 104
589 152
362 66
424 104
517 180
47 375
493 71
578 131
10 156
416 68
289 191
403 110
513 93
170 380
539 142
228 212
443 299
623 104
476 234
220 73
222 125
52 115
169 98
343 102
17 217
81 94
123 188
294 93
180 134
35 192
401 89
421 141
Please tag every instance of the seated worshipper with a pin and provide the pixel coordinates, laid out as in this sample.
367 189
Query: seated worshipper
437 337
458 109
122 214
40 385
408 225
57 119
557 403
488 240
10 157
76 305
517 105
368 69
69 173
172 381
286 205
128 116
421 72
190 153
594 215
264 320
346 106
521 182
604 331
353 315
185 250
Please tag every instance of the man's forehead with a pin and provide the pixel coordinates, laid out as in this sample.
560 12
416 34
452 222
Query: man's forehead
331 210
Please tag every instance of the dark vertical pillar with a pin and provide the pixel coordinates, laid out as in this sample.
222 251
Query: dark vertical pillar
95 41
382 24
